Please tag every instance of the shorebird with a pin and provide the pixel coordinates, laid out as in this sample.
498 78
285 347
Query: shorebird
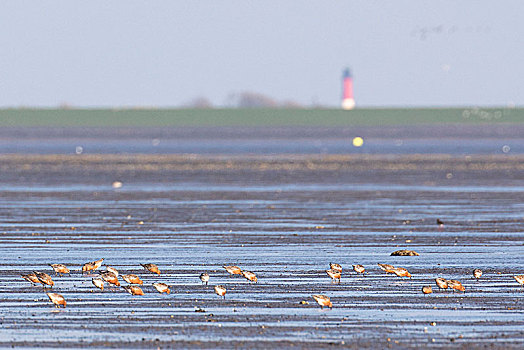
233 270
134 290
88 267
91 266
400 272
335 275
359 269
162 288
442 283
249 276
335 267
454 284
59 268
427 290
110 278
44 278
31 277
221 291
98 282
204 277
477 273
57 299
386 267
322 300
519 279
132 279
151 268
112 269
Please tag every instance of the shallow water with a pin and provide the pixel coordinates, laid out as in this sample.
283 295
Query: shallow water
287 235
285 223
457 139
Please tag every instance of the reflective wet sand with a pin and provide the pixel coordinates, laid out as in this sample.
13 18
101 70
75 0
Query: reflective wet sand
283 217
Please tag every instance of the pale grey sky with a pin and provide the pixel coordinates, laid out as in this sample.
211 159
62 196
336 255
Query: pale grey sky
165 53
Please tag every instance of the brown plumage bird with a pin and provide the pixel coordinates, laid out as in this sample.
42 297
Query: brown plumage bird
59 268
31 277
359 269
233 270
456 285
322 300
134 290
220 291
110 277
427 290
132 279
57 299
335 267
442 283
88 267
335 275
112 269
401 272
98 282
91 266
44 278
477 273
151 268
250 276
386 267
162 288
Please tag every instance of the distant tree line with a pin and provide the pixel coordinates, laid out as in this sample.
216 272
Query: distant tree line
245 100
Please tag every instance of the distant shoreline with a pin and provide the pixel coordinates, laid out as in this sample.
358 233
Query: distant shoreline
150 117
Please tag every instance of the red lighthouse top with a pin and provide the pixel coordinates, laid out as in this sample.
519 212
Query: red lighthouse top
347 81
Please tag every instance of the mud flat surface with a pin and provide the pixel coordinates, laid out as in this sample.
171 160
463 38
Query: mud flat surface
283 217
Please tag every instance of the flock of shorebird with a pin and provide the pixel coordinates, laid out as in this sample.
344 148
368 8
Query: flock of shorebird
111 276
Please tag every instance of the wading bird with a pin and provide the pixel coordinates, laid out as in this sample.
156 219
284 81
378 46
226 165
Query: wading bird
386 267
31 277
151 268
91 266
132 279
98 282
250 276
442 283
456 285
233 270
322 300
134 290
335 275
427 290
359 269
57 299
44 278
221 291
112 269
162 288
401 272
477 273
204 277
335 267
59 268
110 277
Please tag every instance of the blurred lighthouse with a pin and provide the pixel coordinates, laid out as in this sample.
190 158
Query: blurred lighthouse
348 102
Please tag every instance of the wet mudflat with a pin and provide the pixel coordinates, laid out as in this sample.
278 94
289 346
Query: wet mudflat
283 217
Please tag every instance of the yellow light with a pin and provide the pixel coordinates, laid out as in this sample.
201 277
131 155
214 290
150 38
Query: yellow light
358 141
